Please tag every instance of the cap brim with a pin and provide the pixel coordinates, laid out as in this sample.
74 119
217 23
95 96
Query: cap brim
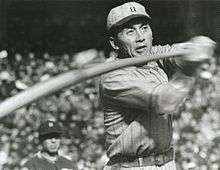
51 132
125 20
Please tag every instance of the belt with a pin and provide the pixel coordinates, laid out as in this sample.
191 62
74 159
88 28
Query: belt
137 161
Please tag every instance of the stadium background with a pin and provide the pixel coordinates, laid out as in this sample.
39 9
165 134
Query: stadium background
47 37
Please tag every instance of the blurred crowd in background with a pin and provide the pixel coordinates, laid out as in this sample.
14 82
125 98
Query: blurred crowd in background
32 59
197 128
76 107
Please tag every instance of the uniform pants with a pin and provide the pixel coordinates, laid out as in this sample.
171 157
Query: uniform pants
168 166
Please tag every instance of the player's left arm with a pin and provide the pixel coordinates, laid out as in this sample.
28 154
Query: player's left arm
199 50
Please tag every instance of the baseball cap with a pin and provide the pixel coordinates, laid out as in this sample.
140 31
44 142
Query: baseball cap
123 13
50 127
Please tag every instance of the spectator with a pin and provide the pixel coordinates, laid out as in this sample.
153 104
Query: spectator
48 158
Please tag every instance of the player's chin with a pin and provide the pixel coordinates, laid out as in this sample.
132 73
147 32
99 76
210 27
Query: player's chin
53 150
140 54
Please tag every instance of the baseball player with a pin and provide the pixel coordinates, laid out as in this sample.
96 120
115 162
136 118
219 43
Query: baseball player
138 101
48 158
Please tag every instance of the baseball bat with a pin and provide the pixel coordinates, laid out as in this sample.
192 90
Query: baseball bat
73 77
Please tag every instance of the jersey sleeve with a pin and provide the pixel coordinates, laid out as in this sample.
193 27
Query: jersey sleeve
169 65
122 89
119 88
172 65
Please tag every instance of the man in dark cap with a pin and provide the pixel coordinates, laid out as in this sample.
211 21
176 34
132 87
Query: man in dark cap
139 101
48 158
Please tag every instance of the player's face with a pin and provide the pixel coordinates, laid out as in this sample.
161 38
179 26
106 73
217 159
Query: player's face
135 39
52 144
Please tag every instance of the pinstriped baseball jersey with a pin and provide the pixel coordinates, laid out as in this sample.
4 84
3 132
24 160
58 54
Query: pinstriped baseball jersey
137 119
168 166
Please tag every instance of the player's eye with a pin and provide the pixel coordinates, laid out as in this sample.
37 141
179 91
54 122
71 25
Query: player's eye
144 27
129 31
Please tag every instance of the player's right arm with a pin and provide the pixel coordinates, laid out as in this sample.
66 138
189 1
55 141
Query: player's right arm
130 90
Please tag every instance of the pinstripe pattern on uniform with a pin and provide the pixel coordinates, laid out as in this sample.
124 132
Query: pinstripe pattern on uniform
131 129
134 121
168 166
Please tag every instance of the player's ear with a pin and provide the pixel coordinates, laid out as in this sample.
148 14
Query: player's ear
114 43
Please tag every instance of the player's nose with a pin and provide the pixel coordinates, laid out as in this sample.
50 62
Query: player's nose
53 139
139 36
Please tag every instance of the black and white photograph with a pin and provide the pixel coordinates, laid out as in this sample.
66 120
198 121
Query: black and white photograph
109 85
